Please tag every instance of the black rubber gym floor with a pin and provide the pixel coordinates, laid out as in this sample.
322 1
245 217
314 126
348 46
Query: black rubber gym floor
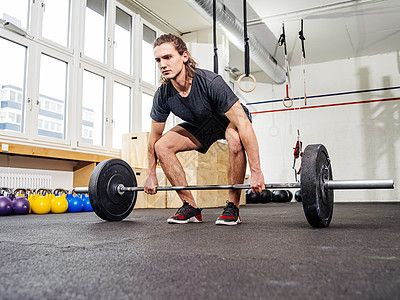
274 254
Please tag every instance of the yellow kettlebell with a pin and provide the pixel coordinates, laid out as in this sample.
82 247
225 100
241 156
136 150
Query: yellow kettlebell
31 199
42 203
59 204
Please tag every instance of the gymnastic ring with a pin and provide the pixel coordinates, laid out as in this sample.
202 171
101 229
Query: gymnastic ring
284 102
254 83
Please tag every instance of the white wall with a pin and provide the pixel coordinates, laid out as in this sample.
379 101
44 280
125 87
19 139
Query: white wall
363 140
201 48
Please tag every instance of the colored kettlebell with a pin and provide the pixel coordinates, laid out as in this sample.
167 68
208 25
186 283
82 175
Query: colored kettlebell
6 206
87 205
42 203
21 205
31 198
59 204
75 204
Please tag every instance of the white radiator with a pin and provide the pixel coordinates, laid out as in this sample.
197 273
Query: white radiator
22 180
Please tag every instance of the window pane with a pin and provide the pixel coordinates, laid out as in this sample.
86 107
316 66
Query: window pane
56 21
148 63
121 113
95 29
147 103
52 92
12 85
123 41
16 12
92 109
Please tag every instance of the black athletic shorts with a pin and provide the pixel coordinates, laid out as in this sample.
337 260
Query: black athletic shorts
211 130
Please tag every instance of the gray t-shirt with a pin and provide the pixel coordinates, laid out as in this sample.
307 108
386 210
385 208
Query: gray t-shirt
209 97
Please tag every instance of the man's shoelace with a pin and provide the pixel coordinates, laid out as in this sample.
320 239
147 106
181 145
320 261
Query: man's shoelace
229 209
183 208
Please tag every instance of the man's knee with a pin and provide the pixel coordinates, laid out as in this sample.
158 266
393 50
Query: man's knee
162 149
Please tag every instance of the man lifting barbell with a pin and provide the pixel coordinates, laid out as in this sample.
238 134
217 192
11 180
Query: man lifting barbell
211 111
113 187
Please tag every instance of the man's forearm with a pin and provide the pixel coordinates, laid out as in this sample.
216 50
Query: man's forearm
155 135
250 144
152 157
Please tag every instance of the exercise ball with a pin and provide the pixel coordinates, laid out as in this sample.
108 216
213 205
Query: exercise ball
6 206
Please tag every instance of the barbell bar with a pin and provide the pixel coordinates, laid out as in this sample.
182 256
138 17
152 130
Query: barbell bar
359 184
113 187
330 184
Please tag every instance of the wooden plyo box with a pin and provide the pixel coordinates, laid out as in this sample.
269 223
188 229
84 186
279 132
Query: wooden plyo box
216 158
134 149
144 200
200 169
205 169
204 198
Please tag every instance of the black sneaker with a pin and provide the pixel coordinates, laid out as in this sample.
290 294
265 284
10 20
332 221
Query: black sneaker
185 214
230 215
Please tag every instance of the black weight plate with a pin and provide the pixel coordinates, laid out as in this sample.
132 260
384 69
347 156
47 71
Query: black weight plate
317 201
106 202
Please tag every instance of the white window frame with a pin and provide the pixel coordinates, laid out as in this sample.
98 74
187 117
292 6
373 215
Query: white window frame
39 16
144 87
28 86
129 84
101 72
133 33
69 87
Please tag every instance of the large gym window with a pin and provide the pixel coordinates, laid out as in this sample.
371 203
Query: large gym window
123 41
75 73
148 63
12 86
92 109
95 29
52 97
56 21
121 113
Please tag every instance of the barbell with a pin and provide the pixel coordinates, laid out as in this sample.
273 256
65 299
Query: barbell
113 187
